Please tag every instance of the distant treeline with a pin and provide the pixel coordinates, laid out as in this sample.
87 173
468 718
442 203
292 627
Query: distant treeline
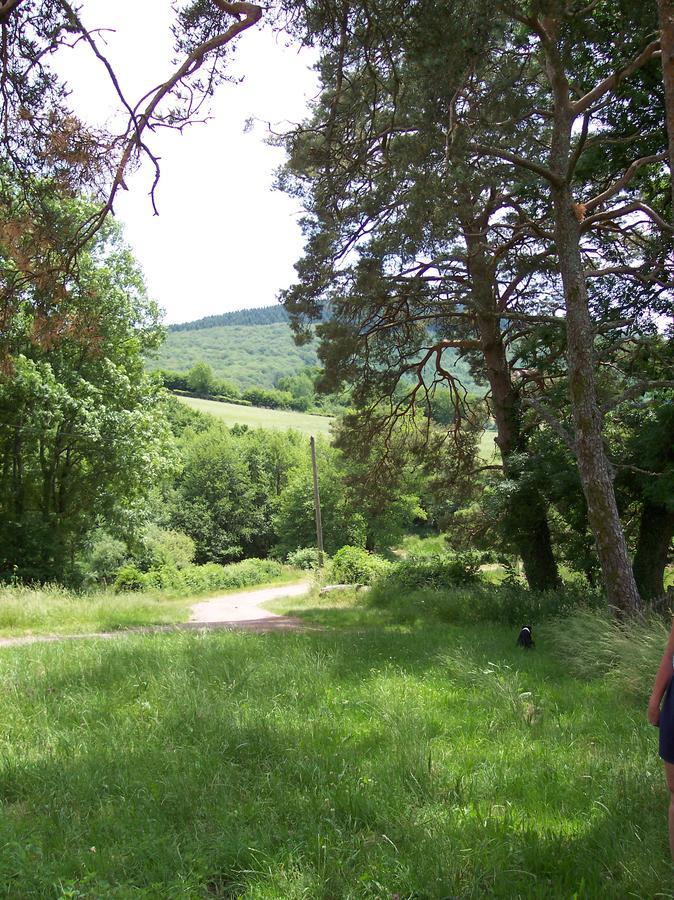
265 315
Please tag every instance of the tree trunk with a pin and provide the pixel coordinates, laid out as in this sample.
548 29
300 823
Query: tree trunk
526 520
594 468
666 16
650 560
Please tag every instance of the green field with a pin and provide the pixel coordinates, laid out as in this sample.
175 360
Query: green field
254 417
420 761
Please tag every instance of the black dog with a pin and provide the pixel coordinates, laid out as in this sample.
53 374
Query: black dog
525 638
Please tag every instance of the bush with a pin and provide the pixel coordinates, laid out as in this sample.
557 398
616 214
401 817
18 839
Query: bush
353 565
161 547
129 578
442 570
199 579
104 559
304 558
508 604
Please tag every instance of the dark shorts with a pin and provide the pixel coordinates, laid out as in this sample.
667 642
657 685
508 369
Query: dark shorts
667 725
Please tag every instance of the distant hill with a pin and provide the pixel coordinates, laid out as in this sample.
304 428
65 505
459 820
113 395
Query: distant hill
264 315
251 347
250 355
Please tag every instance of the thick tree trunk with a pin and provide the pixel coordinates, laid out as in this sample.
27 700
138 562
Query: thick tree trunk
655 539
594 468
666 15
527 520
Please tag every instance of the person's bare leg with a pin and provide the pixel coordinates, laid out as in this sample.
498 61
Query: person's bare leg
669 775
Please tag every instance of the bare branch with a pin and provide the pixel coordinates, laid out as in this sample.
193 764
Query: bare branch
246 15
618 185
552 420
636 391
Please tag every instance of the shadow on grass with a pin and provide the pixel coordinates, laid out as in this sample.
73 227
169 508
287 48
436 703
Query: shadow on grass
321 765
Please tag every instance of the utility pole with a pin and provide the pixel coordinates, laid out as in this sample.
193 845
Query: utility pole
317 504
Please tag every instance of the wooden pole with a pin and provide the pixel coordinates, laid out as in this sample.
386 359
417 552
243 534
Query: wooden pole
317 504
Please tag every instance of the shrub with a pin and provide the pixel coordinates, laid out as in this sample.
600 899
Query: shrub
442 570
304 558
106 556
129 578
199 579
164 547
353 565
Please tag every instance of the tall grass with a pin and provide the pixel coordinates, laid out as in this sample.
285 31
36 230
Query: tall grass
593 644
53 609
412 763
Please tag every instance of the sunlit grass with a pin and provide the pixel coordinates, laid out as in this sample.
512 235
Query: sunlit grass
53 609
414 762
255 417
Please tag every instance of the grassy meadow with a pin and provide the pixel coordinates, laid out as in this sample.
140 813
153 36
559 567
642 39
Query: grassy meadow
382 760
53 609
255 417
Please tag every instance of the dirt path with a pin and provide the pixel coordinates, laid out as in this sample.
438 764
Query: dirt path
240 611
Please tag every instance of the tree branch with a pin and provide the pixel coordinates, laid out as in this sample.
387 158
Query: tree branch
635 391
608 84
519 161
246 14
552 421
7 8
618 185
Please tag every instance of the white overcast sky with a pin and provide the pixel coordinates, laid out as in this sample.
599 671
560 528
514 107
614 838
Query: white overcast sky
224 239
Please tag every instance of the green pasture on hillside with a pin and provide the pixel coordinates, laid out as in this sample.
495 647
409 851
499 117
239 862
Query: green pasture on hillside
255 417
427 761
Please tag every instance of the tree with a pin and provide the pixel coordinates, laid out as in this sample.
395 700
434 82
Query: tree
550 185
229 490
82 437
49 152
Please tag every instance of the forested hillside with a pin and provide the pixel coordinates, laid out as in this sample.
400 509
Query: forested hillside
250 355
263 315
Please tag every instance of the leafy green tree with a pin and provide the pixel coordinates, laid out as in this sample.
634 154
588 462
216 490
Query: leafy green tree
343 520
200 379
228 490
82 437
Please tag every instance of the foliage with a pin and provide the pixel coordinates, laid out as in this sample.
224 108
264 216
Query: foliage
260 315
303 558
158 547
191 580
229 490
82 436
353 565
129 578
435 571
105 557
294 522
239 353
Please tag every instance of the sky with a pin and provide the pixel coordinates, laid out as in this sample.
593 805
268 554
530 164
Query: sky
224 239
